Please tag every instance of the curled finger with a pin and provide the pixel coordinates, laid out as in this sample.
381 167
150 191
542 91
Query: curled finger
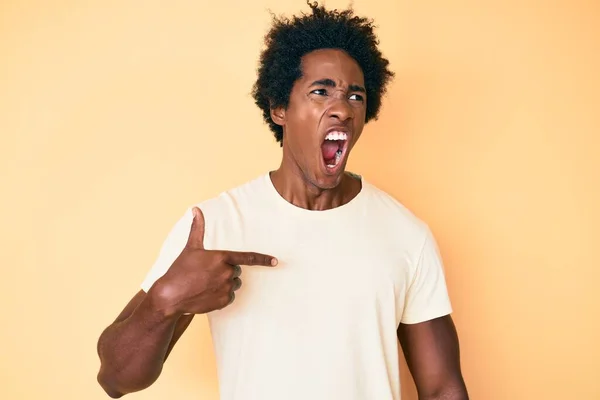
231 298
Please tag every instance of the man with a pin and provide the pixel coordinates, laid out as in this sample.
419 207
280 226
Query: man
334 270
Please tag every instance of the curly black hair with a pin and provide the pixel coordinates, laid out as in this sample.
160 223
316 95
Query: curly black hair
289 40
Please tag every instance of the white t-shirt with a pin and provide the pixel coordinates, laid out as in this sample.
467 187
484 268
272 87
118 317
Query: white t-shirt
321 325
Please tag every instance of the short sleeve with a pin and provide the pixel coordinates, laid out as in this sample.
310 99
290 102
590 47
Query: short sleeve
427 296
171 249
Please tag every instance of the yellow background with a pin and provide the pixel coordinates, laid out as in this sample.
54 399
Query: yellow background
115 116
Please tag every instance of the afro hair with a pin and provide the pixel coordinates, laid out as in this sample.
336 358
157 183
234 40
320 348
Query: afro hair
289 40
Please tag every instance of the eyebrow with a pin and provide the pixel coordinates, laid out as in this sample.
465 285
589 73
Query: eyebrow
331 83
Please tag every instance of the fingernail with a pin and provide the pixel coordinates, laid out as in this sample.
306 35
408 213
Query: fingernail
273 261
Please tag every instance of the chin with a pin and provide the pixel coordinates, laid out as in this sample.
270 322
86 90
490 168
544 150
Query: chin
328 184
329 178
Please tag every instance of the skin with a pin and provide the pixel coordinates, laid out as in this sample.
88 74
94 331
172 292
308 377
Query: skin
330 94
432 354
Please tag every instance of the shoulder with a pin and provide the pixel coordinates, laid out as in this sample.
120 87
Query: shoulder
229 204
247 193
387 207
397 227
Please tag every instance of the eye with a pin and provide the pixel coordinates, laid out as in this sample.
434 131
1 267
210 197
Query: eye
356 97
320 92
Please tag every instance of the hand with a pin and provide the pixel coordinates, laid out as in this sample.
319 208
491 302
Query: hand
200 280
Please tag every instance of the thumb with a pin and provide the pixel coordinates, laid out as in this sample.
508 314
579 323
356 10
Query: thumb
196 238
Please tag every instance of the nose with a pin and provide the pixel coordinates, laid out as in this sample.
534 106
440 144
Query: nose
340 109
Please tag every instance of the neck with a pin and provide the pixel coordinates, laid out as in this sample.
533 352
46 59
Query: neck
297 189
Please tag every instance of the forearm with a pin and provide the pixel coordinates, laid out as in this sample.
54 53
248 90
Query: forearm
132 351
451 392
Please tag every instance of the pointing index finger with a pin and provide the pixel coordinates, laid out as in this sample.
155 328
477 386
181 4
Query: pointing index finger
249 258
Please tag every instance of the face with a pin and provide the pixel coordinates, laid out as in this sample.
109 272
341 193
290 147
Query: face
324 118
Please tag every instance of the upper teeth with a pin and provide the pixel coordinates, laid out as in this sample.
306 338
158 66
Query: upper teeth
336 136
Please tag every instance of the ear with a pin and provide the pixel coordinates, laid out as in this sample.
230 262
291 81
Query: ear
278 115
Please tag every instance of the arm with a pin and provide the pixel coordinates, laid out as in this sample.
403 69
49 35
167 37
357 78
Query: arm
432 354
134 347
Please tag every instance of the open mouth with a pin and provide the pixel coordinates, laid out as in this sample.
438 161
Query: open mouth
333 148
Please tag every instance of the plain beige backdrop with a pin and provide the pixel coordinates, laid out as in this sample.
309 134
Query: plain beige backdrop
117 115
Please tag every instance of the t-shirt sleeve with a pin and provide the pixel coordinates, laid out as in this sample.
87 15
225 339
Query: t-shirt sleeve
427 295
171 249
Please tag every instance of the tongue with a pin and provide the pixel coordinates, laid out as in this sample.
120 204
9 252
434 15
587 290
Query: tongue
329 148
